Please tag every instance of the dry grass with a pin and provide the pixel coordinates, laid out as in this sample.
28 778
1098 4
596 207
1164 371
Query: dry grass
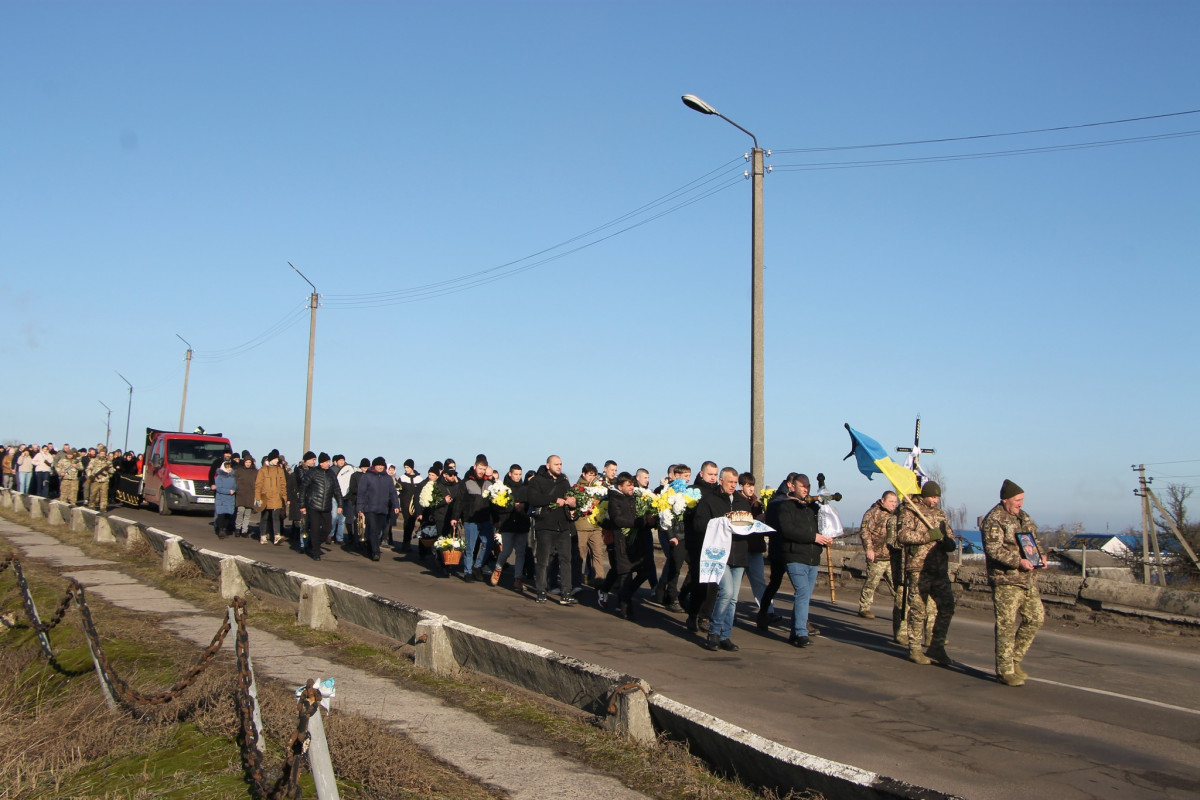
666 770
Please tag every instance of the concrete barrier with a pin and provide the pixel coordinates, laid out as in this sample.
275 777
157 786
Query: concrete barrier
59 513
313 609
37 507
1165 603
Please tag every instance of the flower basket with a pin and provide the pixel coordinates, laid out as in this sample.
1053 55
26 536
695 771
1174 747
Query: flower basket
450 557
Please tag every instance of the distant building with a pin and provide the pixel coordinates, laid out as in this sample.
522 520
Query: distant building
1115 546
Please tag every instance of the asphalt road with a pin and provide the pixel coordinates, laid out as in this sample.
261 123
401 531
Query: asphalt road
1104 715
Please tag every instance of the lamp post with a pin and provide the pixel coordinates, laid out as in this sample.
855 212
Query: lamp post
107 424
186 370
129 409
757 407
312 342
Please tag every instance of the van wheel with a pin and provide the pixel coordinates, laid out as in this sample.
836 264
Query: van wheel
163 508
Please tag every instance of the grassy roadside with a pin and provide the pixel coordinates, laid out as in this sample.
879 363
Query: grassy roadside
666 770
60 740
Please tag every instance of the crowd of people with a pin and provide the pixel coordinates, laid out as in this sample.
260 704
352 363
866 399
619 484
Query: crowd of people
77 476
548 528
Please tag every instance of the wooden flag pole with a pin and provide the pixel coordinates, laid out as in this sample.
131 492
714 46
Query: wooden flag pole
829 561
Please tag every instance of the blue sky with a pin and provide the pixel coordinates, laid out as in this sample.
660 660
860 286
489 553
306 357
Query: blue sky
165 161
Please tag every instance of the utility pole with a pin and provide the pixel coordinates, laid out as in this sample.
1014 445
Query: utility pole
107 424
186 370
1149 533
129 408
312 345
1148 496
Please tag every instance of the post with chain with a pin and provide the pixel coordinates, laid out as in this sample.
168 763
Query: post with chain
319 760
105 689
31 611
253 690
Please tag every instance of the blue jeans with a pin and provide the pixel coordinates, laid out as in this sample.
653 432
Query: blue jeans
758 580
473 533
26 478
721 624
804 579
41 483
339 527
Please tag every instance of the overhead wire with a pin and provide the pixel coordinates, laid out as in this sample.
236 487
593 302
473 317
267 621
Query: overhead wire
288 321
686 195
886 162
990 135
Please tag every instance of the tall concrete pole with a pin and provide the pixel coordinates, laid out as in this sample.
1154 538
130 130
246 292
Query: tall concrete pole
757 331
129 408
312 347
107 424
186 370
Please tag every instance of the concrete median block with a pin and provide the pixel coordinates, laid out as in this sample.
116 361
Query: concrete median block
59 513
37 508
134 537
172 555
629 712
79 522
232 583
313 609
434 651
6 500
103 533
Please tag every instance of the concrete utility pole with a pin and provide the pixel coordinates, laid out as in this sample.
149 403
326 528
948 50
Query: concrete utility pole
186 370
757 332
128 410
107 424
312 344
1149 533
1148 496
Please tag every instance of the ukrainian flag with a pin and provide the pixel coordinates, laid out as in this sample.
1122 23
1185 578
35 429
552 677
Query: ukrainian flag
872 458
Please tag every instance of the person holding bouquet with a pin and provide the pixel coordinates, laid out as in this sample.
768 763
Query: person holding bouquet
633 549
551 505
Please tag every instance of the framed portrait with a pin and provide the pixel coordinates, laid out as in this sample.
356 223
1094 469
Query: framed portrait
1029 550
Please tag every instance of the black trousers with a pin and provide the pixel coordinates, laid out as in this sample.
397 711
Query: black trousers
270 523
778 573
550 543
320 523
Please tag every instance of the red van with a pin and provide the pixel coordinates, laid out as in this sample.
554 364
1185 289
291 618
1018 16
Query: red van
175 471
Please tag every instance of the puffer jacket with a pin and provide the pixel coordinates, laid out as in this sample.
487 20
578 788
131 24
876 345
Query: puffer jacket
270 487
321 490
225 490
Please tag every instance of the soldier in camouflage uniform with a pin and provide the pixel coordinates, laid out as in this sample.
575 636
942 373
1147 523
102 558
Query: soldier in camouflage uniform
99 470
927 573
874 535
69 467
1015 598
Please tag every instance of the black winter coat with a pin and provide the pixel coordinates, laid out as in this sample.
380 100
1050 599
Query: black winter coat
632 539
795 537
510 520
717 504
543 489
321 490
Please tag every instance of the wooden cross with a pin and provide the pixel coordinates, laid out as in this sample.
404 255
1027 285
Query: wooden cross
916 449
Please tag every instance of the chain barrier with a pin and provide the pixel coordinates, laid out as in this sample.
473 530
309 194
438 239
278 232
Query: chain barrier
287 786
131 696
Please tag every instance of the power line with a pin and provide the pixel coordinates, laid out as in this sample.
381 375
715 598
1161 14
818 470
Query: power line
1160 463
990 135
288 321
890 162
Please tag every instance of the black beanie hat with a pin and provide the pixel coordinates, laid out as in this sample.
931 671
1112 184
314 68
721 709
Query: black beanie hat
323 458
931 489
246 456
363 463
435 466
1009 490
308 455
408 462
379 461
272 454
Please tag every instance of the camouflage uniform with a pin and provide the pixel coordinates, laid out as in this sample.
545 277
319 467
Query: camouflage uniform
69 467
99 469
927 574
875 525
1014 593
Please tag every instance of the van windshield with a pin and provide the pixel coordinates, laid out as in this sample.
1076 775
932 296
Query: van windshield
194 452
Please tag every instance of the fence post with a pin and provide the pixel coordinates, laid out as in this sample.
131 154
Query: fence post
31 609
318 759
104 687
233 626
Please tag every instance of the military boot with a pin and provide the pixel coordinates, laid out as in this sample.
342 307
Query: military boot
1020 673
937 652
1010 679
917 657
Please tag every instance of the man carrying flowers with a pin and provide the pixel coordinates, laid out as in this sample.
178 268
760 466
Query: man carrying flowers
551 507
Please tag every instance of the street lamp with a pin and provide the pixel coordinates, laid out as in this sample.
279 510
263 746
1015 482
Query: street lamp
312 343
107 423
129 409
757 409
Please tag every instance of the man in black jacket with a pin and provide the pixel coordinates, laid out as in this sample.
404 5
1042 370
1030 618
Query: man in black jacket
376 499
550 505
691 592
321 495
797 543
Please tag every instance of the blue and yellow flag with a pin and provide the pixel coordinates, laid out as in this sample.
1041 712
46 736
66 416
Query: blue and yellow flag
872 458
